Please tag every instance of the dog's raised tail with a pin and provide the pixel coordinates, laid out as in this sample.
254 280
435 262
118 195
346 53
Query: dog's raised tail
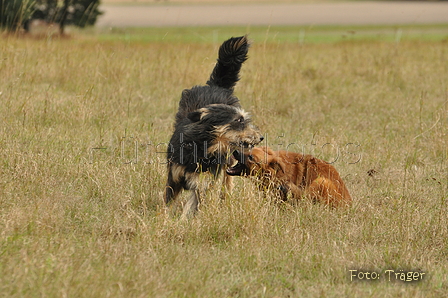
231 56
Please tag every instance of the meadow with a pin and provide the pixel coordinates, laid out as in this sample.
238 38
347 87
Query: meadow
85 122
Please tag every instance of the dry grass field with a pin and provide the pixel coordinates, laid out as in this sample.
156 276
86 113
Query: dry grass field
84 127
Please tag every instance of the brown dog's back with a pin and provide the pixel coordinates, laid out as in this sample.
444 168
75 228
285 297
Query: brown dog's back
296 174
320 180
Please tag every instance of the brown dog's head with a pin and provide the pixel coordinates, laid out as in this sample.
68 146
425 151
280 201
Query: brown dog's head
259 161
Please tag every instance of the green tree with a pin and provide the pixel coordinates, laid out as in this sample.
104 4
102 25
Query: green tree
79 13
14 13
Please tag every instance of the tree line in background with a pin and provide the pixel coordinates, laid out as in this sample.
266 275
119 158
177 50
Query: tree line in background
18 14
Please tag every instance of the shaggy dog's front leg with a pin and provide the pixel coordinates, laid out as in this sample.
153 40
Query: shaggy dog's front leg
227 182
191 207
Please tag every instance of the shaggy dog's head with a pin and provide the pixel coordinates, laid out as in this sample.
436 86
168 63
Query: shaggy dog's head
228 128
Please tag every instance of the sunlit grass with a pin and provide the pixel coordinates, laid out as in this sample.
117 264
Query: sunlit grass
85 125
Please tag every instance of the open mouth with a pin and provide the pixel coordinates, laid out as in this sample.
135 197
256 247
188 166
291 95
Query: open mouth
246 145
239 169
242 145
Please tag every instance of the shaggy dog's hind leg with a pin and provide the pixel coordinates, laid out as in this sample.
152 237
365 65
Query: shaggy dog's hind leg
172 188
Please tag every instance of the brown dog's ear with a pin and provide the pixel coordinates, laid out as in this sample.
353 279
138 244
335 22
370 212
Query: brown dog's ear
268 150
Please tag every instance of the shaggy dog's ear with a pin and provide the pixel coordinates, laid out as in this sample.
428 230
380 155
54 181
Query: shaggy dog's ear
195 116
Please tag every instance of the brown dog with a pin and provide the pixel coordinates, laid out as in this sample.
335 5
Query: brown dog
292 173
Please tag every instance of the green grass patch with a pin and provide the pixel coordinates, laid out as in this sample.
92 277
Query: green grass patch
280 34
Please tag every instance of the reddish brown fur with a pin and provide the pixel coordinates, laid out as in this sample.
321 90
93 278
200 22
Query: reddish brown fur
298 175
